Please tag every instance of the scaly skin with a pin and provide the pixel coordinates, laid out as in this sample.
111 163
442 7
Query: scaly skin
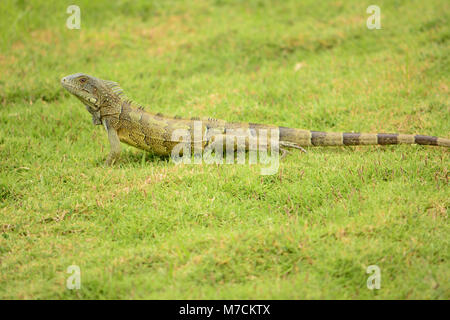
129 123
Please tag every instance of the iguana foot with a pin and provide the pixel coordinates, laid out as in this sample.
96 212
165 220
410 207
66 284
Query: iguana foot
111 160
284 152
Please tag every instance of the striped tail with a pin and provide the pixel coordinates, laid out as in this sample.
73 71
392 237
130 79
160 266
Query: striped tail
317 138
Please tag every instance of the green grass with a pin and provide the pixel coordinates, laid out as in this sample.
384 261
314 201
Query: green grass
147 228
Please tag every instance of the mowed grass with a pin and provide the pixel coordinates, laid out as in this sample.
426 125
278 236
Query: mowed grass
147 228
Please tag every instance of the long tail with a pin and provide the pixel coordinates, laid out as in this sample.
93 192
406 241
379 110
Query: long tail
292 137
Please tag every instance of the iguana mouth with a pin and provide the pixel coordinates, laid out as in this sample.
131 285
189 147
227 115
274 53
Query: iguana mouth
88 102
70 87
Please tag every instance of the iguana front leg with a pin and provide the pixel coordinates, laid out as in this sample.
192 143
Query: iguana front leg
114 143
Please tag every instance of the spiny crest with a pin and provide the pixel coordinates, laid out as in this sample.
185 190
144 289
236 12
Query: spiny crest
115 88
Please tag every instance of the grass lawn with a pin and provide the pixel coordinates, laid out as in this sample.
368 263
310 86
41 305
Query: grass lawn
147 228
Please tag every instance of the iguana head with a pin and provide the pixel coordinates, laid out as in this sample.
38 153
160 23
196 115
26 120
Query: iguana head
94 93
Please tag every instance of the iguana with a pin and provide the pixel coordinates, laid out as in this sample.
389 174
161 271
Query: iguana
126 121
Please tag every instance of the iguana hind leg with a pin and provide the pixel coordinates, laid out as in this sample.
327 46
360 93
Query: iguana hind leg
290 145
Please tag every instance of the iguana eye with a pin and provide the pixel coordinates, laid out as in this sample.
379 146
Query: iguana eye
83 80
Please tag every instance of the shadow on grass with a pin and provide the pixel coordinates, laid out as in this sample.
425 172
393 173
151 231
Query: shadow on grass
134 159
141 158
